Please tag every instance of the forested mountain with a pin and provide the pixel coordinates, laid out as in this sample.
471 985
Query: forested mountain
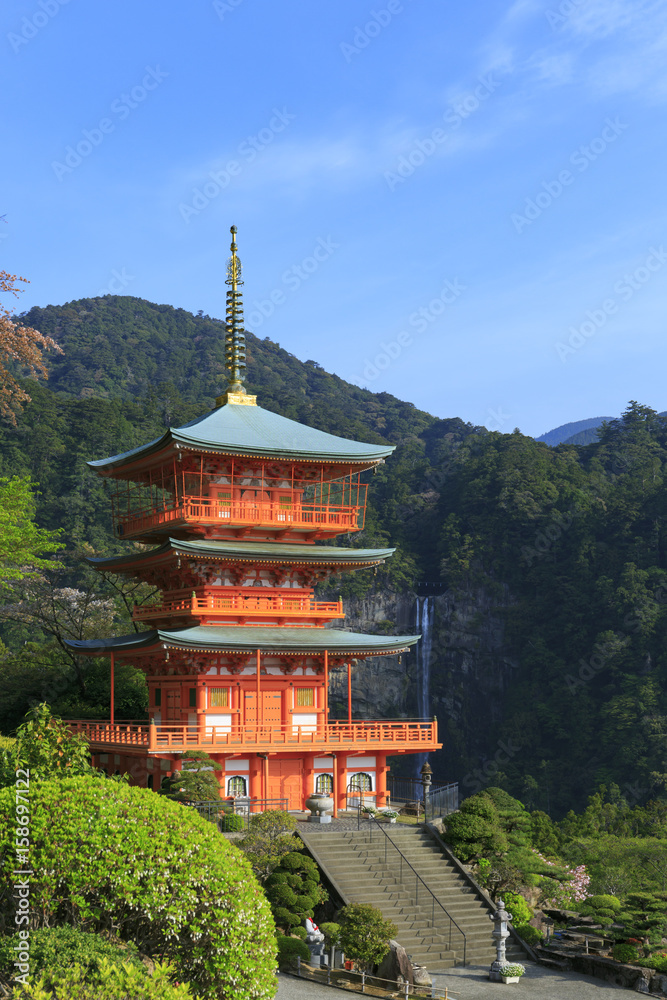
563 546
566 433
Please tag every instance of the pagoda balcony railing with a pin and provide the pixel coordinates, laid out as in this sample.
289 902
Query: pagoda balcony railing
240 513
389 735
240 606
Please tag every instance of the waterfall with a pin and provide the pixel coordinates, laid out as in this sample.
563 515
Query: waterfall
425 614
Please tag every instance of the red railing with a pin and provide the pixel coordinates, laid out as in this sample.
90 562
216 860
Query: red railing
336 735
261 514
242 606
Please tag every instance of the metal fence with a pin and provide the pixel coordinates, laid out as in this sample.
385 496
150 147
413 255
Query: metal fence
440 799
244 808
364 982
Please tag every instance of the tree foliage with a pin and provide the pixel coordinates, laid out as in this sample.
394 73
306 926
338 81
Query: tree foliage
21 347
269 839
293 890
196 781
365 934
45 747
108 856
24 547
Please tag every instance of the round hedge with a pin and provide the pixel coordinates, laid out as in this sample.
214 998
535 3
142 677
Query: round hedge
53 950
110 856
229 823
288 950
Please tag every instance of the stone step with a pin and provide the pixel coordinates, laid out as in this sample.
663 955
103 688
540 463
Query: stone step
363 873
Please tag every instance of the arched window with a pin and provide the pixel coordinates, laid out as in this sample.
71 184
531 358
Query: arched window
236 786
361 782
324 784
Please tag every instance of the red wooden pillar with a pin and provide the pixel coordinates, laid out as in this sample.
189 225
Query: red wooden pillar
260 712
113 685
381 770
340 789
349 693
255 777
335 785
326 687
308 777
201 707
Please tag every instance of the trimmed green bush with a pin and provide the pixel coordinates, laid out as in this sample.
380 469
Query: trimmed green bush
294 889
517 907
531 935
365 934
55 950
625 953
111 982
289 948
657 962
331 933
229 823
300 932
109 855
603 908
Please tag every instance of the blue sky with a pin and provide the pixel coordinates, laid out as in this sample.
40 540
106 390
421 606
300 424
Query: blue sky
461 204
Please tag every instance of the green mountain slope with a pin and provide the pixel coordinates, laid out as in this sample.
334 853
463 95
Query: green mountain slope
565 546
131 368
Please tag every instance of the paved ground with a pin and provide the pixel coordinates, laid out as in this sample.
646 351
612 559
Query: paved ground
472 983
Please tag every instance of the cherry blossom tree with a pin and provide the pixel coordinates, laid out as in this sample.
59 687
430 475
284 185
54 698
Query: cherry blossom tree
21 345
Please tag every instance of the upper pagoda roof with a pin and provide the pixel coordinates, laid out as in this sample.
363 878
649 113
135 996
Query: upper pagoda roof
259 552
241 639
237 429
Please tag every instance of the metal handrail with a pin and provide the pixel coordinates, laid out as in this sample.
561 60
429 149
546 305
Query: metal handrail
418 879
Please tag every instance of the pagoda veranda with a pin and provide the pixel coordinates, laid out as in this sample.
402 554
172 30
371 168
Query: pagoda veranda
238 507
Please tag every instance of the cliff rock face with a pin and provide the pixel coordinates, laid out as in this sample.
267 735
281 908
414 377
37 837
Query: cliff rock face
469 672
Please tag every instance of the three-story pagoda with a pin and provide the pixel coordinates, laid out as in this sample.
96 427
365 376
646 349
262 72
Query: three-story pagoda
239 506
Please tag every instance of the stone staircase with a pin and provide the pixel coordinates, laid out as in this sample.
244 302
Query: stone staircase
355 864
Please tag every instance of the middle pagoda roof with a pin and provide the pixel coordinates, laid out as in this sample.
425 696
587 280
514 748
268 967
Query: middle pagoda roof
250 431
255 552
247 639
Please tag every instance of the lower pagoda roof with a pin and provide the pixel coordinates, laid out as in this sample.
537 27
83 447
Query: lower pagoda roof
259 552
241 639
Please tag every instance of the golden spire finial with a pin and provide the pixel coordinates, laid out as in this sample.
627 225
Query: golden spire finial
235 355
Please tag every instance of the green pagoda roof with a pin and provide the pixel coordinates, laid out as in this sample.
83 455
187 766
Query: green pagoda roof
277 552
250 430
241 638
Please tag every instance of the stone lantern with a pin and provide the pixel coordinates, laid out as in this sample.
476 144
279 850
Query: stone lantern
500 933
427 778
